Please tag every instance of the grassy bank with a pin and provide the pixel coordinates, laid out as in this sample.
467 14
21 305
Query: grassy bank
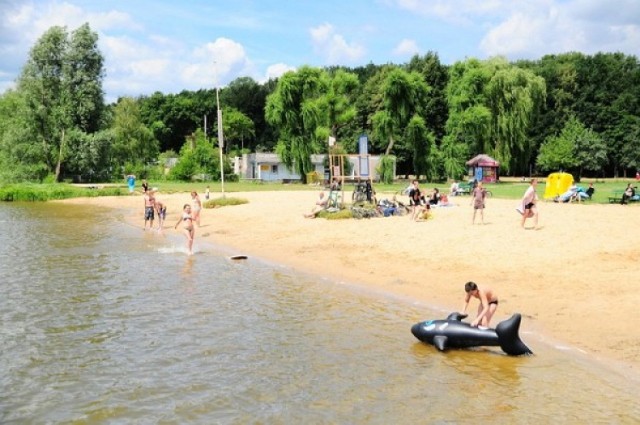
505 190
46 192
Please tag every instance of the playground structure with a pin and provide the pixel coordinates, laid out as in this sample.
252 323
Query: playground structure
361 175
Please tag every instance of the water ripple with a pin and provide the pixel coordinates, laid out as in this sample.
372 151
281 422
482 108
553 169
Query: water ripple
112 326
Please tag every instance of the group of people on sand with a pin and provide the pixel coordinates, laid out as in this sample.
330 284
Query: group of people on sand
190 214
421 205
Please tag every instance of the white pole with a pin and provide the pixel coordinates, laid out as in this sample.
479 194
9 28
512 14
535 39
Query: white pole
220 140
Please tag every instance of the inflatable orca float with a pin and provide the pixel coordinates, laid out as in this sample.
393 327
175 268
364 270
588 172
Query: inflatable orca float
453 333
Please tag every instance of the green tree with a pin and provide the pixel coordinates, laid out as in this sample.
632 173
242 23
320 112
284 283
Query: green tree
576 148
436 76
62 85
514 97
629 155
237 127
404 95
492 106
338 102
295 108
247 96
198 157
20 158
133 142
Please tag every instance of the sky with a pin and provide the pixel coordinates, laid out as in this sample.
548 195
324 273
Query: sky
171 45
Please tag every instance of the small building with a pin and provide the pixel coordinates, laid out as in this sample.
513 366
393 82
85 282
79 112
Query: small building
268 167
483 168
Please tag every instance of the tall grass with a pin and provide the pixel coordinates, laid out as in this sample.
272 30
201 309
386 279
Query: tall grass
47 192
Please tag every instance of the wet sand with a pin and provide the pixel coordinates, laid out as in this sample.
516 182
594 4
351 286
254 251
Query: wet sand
574 279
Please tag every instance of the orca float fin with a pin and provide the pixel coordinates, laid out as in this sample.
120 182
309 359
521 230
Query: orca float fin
440 342
508 336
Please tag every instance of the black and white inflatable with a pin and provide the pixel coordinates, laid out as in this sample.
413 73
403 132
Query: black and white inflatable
454 333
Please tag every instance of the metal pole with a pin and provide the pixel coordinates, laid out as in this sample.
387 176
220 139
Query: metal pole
220 140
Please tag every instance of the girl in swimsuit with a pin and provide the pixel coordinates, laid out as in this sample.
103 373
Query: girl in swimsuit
187 227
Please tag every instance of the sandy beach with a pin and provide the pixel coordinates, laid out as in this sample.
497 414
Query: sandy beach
573 280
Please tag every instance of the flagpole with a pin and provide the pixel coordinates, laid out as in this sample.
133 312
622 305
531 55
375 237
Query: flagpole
220 140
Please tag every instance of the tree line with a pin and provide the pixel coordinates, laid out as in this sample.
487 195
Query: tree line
573 112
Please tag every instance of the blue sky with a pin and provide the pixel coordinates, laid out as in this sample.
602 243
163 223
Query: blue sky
169 46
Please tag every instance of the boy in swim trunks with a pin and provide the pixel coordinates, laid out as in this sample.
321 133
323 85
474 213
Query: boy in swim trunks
149 207
488 303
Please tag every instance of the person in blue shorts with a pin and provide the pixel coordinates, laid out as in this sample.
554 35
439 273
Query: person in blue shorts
149 207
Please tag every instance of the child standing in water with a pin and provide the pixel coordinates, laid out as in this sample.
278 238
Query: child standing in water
161 210
187 227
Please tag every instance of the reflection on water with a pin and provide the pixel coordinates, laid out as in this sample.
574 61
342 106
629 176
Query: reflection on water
102 322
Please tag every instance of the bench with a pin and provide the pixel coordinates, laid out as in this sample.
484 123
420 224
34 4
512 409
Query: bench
616 197
464 189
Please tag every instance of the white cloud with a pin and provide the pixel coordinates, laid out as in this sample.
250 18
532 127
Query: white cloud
533 28
562 27
333 47
406 47
276 71
212 63
458 11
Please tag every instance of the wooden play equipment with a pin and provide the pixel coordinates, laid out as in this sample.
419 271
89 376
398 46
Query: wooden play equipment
360 174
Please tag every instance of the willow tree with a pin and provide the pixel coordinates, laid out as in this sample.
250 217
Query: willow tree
296 109
403 98
338 104
492 105
404 95
514 97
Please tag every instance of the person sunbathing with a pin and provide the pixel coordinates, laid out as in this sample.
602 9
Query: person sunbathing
320 205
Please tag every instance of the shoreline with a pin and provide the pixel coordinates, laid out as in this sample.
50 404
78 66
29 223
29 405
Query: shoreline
572 280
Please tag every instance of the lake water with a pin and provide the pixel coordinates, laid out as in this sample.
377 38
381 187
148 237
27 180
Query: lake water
101 322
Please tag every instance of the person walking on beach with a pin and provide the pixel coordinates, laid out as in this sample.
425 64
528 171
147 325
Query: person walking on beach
197 207
149 207
206 193
529 200
479 194
415 199
488 303
187 227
